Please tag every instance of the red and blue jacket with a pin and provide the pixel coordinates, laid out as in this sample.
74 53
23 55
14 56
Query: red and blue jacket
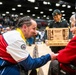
13 52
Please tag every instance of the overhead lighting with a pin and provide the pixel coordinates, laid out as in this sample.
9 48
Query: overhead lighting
57 4
12 15
38 17
48 3
63 14
62 17
16 15
33 14
62 11
68 6
13 9
36 7
21 13
41 12
19 5
50 9
63 5
28 10
73 12
7 12
45 3
1 3
3 14
32 1
44 15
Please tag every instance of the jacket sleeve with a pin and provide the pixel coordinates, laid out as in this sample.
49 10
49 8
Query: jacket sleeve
32 63
51 24
68 54
65 23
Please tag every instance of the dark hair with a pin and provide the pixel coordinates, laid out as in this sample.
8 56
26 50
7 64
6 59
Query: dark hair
24 20
56 12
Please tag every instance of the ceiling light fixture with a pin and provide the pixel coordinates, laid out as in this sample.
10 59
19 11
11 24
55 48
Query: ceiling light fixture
68 6
57 4
38 17
21 13
63 5
1 3
32 1
3 14
41 12
28 10
16 15
44 15
19 5
33 14
12 15
45 3
36 7
73 12
63 14
50 9
7 12
13 9
62 11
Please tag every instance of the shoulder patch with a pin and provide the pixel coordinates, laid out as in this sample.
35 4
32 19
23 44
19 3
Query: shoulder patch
23 46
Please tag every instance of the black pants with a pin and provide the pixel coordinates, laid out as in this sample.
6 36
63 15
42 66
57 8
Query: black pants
53 68
23 72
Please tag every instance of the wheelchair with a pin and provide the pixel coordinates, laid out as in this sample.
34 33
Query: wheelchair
54 69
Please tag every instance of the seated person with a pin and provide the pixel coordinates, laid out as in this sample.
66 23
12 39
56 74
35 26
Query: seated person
66 59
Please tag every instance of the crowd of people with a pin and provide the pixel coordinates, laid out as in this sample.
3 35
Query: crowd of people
7 23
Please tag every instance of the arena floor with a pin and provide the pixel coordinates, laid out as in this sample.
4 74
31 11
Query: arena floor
42 50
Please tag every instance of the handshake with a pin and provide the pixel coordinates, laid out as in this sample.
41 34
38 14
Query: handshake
53 55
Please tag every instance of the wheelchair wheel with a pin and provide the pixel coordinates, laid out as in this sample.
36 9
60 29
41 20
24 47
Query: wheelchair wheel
54 68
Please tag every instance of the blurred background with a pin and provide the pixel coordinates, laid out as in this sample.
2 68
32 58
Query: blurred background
41 10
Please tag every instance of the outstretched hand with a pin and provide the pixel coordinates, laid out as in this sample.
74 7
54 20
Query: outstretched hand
53 55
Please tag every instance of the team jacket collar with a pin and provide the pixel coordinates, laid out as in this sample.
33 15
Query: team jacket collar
22 35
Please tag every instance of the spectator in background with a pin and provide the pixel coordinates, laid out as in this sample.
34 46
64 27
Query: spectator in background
1 20
8 29
57 22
